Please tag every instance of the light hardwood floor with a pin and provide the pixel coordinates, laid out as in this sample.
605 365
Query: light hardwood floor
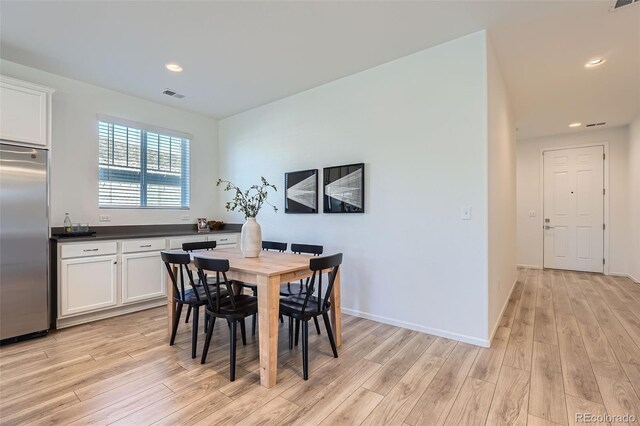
568 343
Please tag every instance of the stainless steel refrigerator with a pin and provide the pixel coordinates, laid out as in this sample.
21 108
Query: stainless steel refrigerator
24 241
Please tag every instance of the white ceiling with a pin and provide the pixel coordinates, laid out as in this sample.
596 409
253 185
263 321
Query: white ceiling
239 55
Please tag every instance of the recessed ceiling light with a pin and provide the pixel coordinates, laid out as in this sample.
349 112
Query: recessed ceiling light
594 62
173 67
575 124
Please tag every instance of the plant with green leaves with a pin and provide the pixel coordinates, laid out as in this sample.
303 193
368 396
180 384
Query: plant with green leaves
248 202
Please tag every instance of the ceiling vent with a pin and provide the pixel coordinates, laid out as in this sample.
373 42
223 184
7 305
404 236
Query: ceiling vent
617 4
595 124
172 93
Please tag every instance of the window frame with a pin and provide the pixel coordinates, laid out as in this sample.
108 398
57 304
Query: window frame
185 163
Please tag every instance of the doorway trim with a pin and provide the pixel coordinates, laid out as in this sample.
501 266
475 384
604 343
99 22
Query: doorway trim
607 192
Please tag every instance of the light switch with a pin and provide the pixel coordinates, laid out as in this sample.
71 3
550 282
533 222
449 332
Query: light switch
466 213
532 213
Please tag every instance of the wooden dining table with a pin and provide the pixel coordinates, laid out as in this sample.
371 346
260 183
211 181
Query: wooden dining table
268 271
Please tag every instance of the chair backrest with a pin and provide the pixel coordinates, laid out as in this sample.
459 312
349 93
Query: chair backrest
220 267
307 249
179 260
199 245
272 245
318 265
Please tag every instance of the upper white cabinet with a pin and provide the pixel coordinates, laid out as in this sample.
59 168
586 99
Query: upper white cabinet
25 112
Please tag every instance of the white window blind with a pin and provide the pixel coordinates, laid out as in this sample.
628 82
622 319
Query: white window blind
141 167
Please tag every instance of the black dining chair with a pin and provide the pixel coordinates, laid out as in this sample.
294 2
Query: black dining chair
291 289
266 246
223 303
190 294
196 246
302 308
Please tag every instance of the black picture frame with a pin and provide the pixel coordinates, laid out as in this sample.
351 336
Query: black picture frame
343 189
301 192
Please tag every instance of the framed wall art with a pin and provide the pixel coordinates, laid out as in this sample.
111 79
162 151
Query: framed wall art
301 191
344 189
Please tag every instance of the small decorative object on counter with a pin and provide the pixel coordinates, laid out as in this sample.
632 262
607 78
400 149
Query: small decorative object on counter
215 225
67 223
202 225
249 202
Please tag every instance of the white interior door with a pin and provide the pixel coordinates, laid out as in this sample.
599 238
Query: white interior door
574 209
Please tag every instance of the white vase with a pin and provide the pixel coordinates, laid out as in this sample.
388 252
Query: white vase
251 238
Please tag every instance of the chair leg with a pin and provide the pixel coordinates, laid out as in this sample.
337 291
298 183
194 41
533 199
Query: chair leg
254 321
176 320
315 320
290 333
207 341
327 324
232 352
281 319
194 331
305 350
186 321
297 332
243 332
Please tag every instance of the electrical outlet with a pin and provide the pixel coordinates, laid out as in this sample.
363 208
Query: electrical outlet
186 218
105 218
466 213
532 213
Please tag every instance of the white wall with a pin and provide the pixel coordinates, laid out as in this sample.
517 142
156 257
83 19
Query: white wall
634 200
419 124
501 192
529 195
74 149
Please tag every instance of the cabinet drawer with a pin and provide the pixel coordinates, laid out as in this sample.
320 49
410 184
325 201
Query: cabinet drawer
88 249
176 243
132 246
224 239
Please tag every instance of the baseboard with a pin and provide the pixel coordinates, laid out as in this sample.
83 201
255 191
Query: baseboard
417 327
504 307
622 274
109 313
520 265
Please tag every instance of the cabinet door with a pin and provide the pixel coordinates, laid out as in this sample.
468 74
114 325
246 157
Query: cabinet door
143 277
88 284
24 114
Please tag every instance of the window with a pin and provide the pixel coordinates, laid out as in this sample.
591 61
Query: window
142 167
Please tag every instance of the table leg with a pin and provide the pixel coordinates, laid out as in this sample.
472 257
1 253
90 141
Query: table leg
171 302
336 319
268 309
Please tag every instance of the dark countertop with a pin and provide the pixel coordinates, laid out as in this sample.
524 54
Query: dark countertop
141 231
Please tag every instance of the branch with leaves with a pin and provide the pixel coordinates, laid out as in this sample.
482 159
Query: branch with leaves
248 202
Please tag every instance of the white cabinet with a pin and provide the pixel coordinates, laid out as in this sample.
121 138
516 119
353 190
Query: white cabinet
88 284
142 277
106 278
25 112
